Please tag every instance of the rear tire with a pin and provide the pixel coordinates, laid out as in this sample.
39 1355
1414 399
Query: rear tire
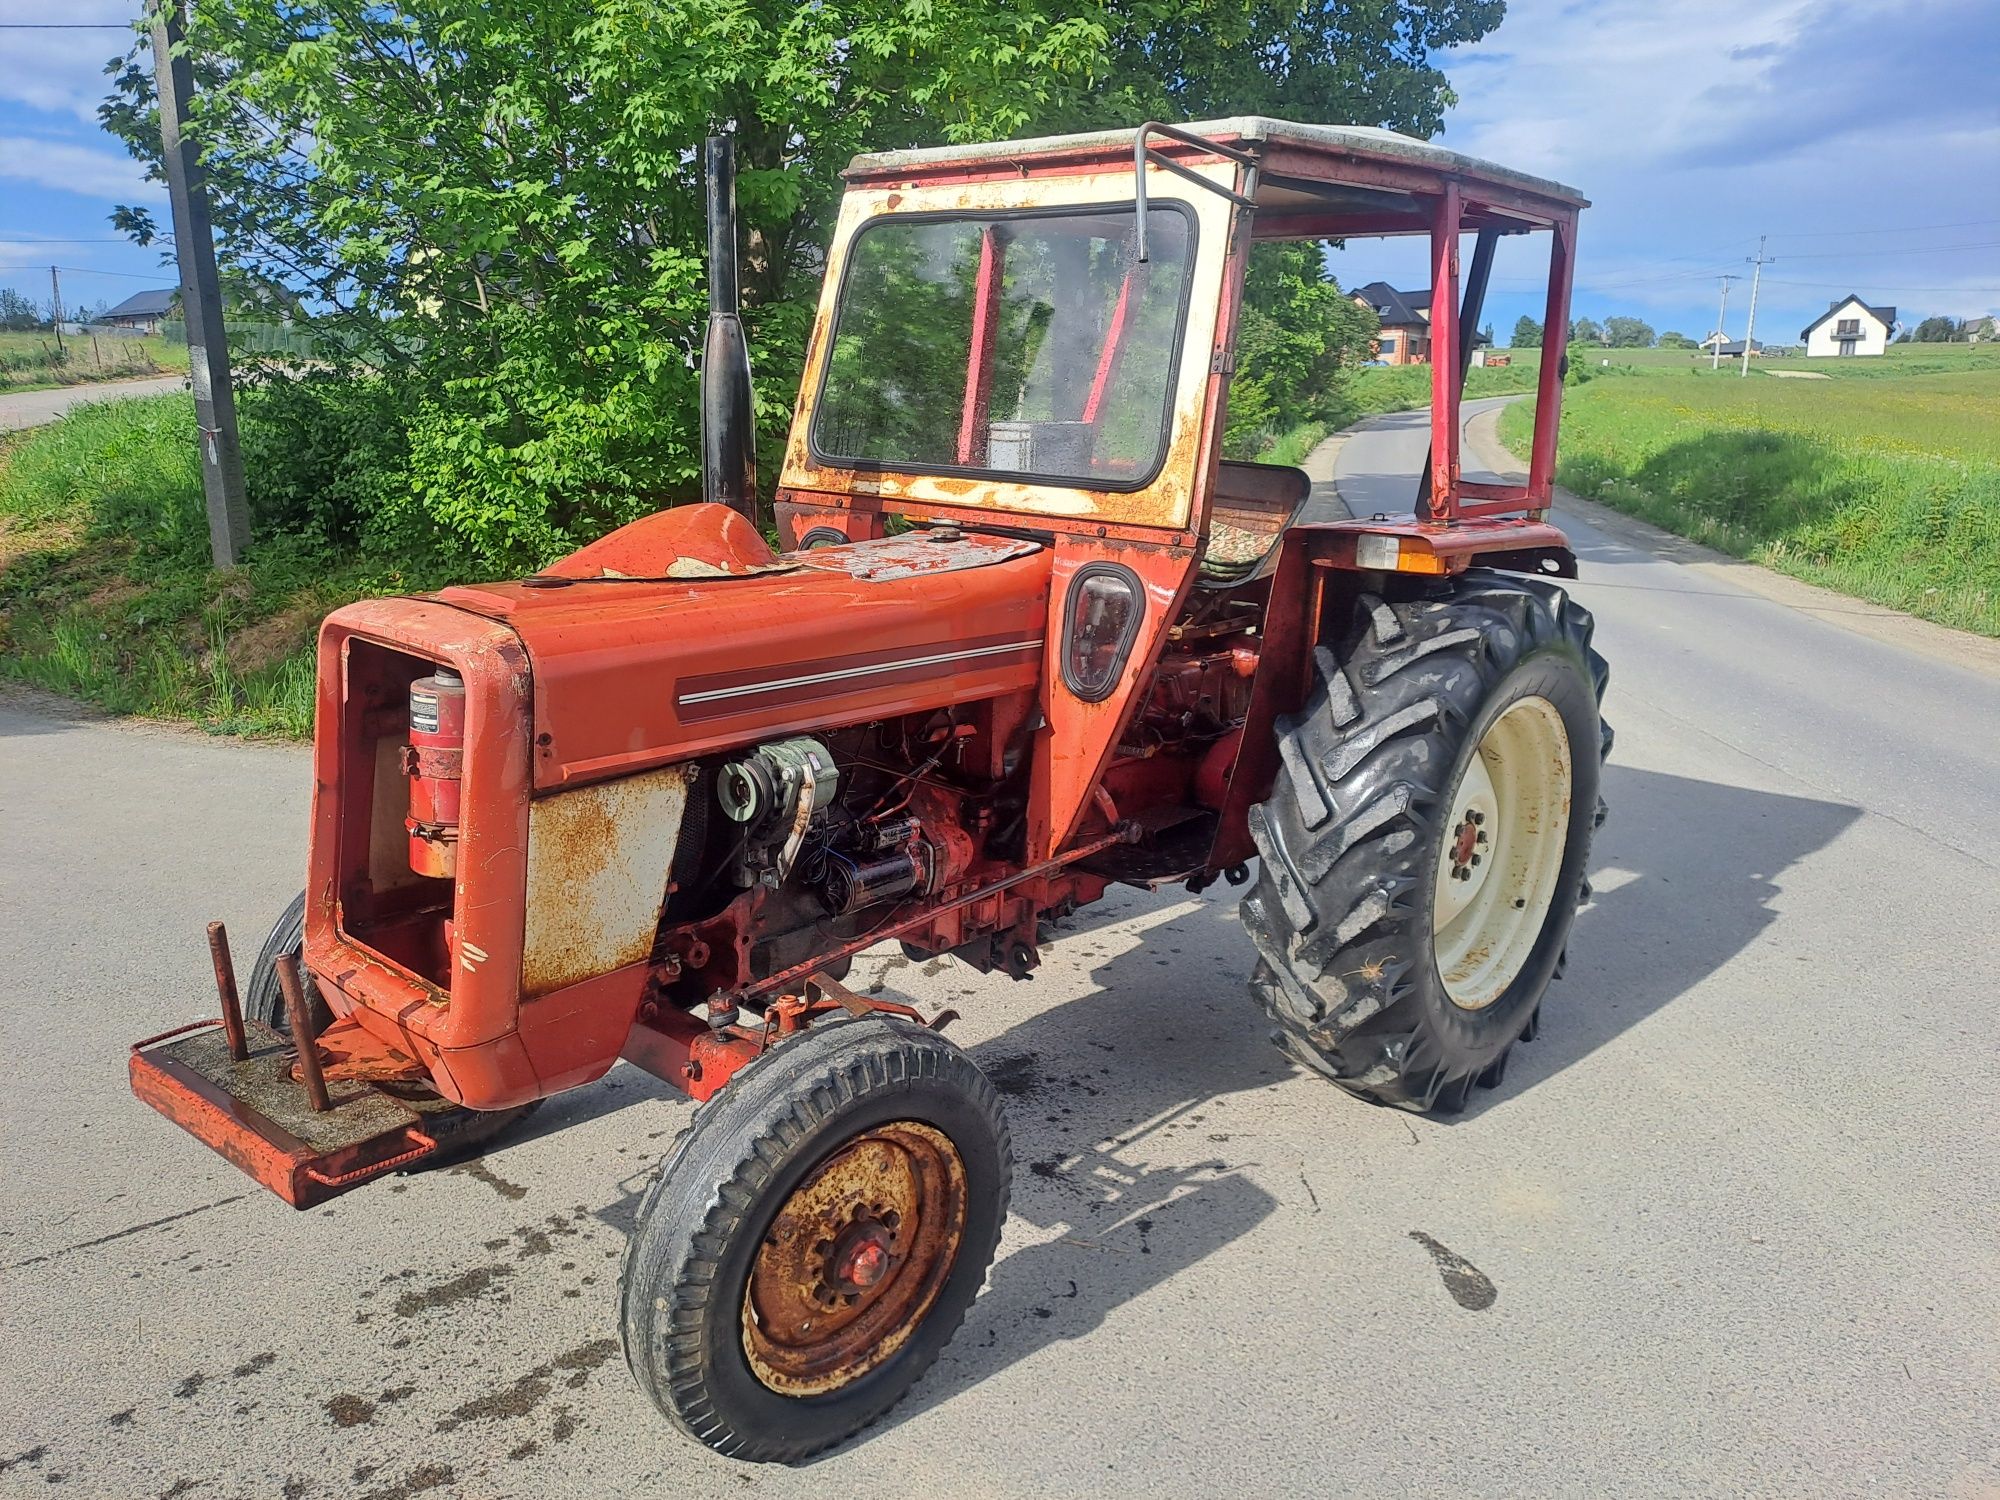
1390 961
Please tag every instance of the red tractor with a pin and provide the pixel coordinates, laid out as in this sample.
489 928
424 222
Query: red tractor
1028 634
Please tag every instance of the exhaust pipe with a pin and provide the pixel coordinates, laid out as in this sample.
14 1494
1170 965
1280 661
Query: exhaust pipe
728 417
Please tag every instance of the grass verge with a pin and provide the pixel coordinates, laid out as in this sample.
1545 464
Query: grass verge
32 362
1883 484
106 593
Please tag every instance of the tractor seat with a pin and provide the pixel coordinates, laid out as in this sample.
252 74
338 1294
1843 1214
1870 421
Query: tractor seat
1252 506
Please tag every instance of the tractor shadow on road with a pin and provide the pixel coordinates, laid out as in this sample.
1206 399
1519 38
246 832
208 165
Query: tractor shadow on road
1120 1099
1685 874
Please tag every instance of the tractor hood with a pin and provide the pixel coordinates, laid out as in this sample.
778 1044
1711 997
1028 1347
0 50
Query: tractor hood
683 634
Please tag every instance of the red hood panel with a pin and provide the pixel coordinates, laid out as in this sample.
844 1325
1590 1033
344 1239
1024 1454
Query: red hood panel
630 674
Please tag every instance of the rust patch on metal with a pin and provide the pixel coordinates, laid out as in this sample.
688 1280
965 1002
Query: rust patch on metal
855 1259
918 554
599 859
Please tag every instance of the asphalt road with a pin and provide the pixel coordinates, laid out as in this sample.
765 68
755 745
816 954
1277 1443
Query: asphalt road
1735 1210
20 409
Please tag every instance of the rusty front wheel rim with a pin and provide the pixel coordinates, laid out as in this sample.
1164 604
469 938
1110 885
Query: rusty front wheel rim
854 1259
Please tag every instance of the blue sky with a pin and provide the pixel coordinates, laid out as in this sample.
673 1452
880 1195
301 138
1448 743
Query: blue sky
1861 136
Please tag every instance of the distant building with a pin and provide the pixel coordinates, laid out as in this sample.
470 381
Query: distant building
1406 322
1849 326
142 312
1715 343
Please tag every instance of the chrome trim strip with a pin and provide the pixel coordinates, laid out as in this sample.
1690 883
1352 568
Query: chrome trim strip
813 679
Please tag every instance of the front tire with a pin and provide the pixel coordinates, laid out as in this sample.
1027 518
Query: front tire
1424 847
815 1238
263 999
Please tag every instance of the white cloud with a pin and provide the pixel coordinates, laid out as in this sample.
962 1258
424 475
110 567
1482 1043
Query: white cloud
62 72
1695 127
92 171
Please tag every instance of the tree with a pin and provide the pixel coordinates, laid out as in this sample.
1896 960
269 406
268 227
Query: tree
1585 331
1672 340
1939 330
1527 333
1628 333
497 203
18 312
1299 334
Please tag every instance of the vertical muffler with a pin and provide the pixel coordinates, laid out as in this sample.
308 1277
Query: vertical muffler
728 415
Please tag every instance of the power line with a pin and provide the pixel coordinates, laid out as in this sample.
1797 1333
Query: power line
1614 286
1829 234
9 238
62 26
88 271
1907 250
1835 286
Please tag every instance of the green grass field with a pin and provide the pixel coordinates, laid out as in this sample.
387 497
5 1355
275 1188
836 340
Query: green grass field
1881 481
30 362
105 589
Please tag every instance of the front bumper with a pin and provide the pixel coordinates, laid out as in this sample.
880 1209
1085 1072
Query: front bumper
257 1116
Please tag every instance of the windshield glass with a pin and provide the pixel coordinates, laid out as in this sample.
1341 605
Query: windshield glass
1029 347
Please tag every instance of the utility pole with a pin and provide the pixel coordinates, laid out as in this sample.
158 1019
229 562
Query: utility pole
55 309
201 293
1721 318
1758 275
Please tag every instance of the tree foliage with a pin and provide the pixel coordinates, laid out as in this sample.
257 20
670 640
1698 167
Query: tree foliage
1675 340
1527 333
1298 333
497 205
1939 330
19 312
1628 333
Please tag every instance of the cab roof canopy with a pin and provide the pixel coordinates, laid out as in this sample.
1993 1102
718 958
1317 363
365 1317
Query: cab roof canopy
1355 179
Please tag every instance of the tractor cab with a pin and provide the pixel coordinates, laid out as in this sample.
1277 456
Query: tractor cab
1047 328
1038 336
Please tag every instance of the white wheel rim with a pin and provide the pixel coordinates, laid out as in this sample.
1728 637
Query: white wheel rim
1501 853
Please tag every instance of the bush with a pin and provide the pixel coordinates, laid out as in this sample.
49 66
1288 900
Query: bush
324 454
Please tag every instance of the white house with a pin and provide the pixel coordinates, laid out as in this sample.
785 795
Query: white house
1850 326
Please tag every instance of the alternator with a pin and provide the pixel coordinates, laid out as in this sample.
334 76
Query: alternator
774 792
